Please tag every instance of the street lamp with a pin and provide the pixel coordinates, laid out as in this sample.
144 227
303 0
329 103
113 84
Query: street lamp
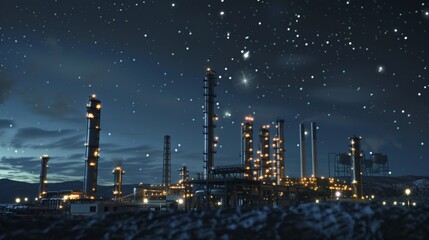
17 200
408 192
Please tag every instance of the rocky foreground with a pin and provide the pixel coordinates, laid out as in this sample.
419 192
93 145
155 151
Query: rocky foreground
308 221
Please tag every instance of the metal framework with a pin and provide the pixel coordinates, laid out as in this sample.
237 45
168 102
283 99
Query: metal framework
209 122
166 177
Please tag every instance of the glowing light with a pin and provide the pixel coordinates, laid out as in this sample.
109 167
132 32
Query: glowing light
380 69
222 13
246 55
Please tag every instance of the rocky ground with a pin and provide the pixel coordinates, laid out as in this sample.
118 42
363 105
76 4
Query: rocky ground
343 220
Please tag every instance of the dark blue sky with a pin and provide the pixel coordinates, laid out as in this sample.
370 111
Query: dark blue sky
354 67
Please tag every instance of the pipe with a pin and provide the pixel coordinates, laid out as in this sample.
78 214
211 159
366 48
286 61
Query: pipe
314 148
302 148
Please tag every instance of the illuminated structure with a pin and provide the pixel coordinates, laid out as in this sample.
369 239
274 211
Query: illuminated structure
43 172
356 159
314 149
117 182
267 168
92 152
209 122
302 150
166 176
247 147
184 174
279 149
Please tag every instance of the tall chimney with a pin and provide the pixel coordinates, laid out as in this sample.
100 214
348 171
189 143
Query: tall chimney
117 182
356 157
43 173
92 153
166 177
314 148
209 122
302 148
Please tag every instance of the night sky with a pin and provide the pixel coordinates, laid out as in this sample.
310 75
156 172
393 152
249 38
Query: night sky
354 67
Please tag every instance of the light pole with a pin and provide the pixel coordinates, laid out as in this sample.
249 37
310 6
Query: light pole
408 192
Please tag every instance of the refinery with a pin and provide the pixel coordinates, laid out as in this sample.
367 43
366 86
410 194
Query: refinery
259 180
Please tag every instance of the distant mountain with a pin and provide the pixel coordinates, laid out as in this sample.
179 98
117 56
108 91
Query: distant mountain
386 188
12 189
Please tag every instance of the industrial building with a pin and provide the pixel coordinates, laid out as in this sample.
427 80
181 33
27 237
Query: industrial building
259 180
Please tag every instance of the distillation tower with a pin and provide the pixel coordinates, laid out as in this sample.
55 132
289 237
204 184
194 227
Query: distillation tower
43 172
247 147
356 158
279 149
209 122
117 182
93 109
267 170
166 176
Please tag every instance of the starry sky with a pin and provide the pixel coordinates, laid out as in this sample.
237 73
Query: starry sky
354 67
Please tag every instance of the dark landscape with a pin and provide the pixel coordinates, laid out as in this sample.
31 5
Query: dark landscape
331 220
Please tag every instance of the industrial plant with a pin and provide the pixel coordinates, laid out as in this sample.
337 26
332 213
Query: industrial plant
259 180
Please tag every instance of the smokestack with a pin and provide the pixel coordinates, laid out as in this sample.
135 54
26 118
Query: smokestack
166 177
314 148
209 119
356 157
92 153
117 182
302 148
43 173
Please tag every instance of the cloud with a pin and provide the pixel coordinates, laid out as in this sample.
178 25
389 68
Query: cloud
27 164
142 149
6 85
56 105
5 123
30 134
70 143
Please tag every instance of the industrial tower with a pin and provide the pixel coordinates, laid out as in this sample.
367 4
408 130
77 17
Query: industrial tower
356 157
43 172
209 122
314 149
92 152
302 148
247 147
117 182
279 149
267 170
166 176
